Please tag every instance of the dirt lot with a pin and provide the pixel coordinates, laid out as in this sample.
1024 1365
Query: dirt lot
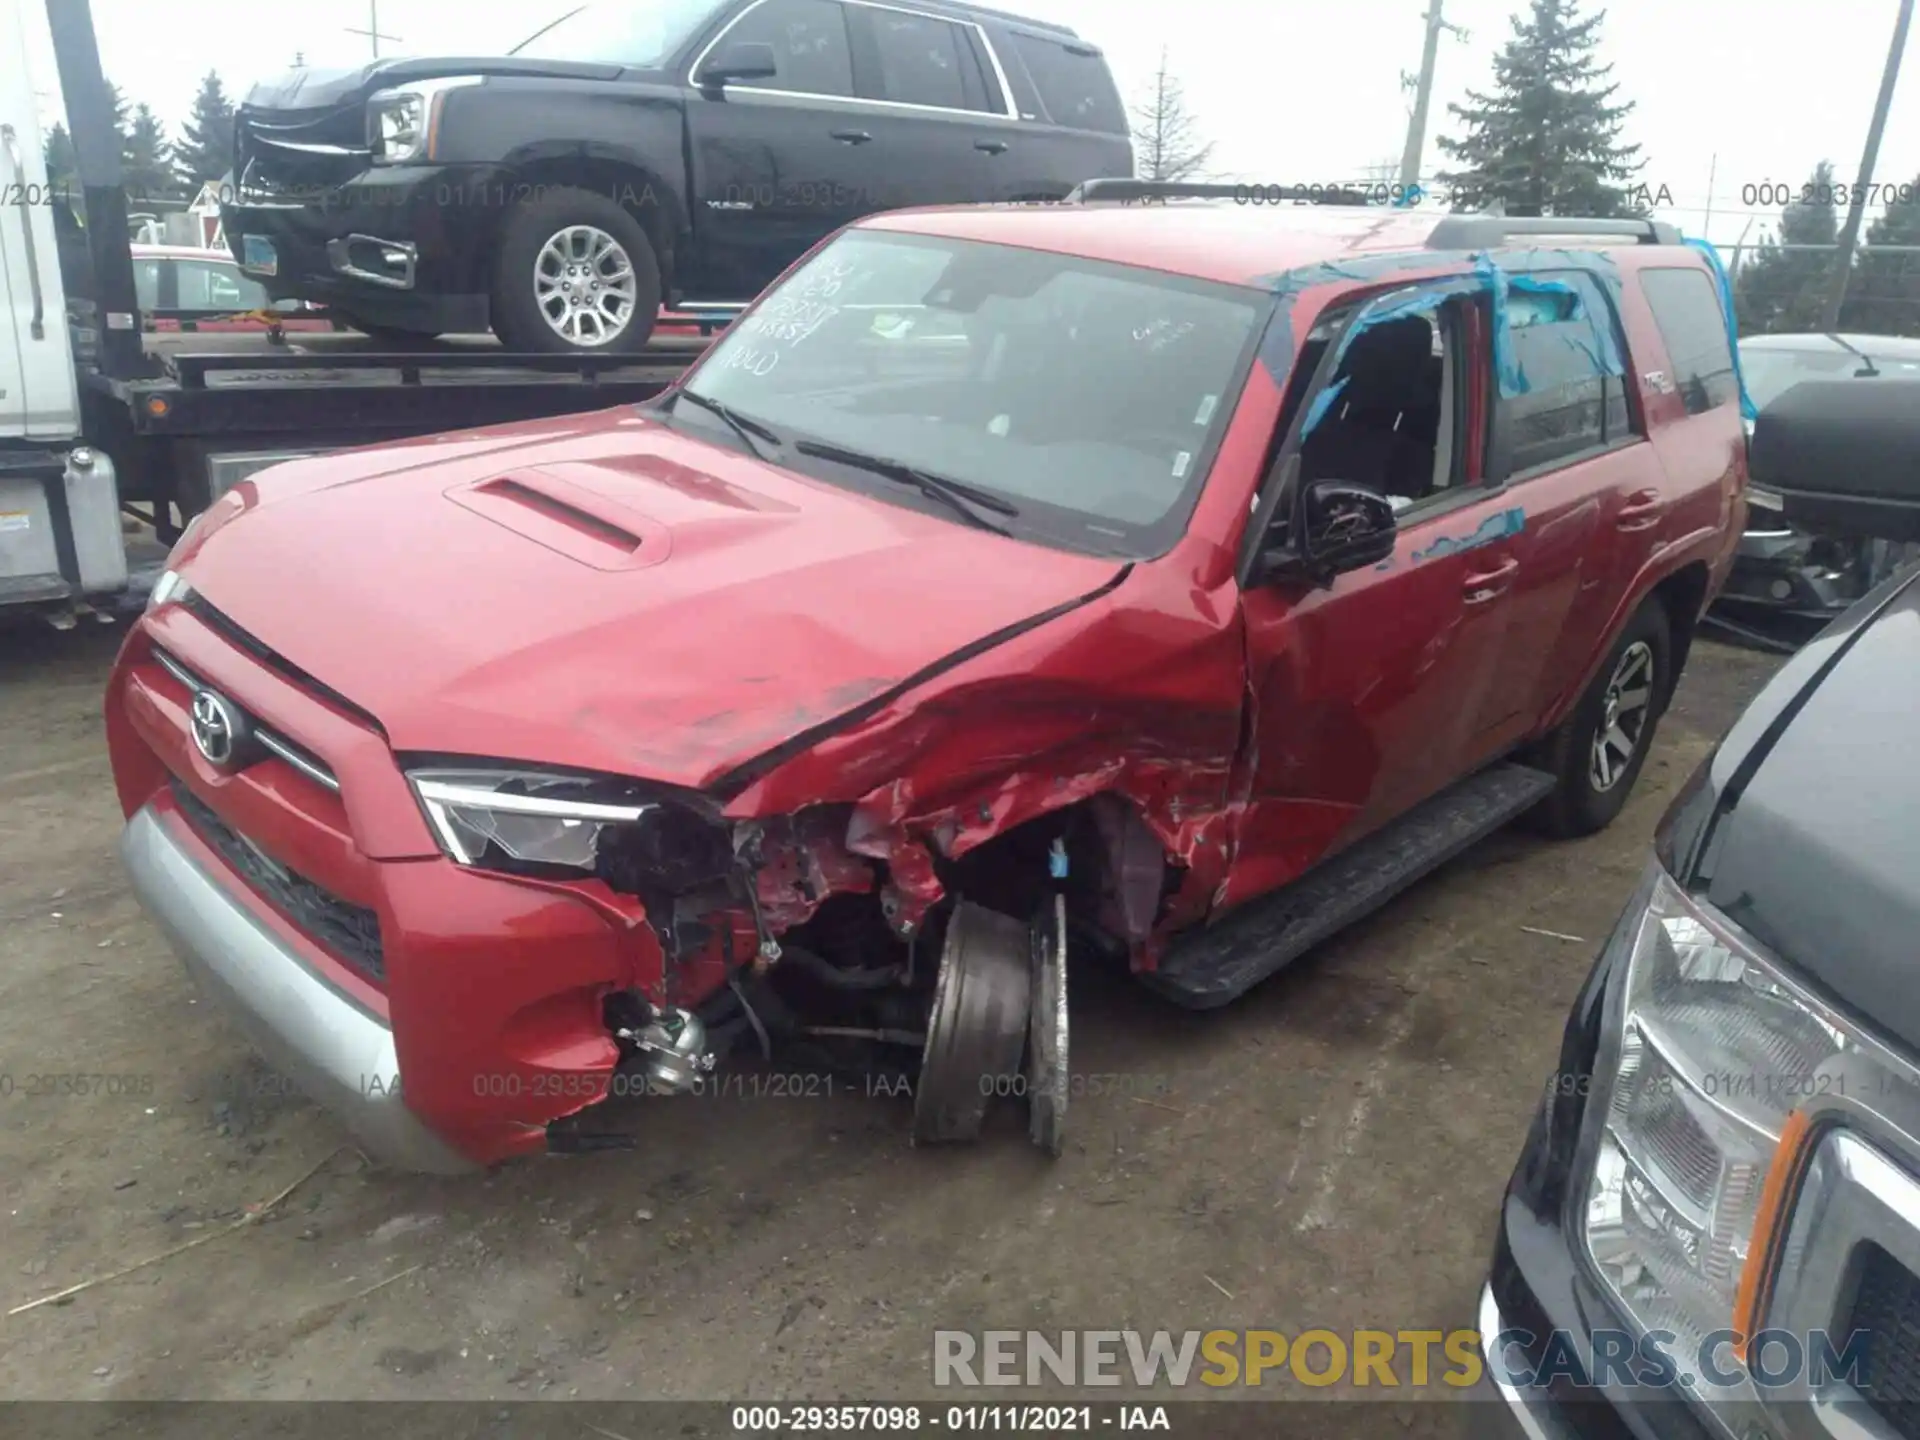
1329 1151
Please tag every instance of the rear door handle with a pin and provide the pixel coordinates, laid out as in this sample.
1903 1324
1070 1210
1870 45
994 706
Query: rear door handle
1642 510
851 137
991 147
1490 584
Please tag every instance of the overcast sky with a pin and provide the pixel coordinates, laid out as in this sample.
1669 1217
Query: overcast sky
1289 91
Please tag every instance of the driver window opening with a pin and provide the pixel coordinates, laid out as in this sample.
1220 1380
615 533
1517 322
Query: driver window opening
1389 417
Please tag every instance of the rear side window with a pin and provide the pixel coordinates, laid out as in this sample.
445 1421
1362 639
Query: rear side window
810 45
1073 84
1686 307
1563 383
920 59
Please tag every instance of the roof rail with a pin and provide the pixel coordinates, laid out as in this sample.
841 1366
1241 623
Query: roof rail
1136 190
1050 27
1487 232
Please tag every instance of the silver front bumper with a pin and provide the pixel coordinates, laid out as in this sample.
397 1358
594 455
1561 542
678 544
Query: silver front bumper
339 1055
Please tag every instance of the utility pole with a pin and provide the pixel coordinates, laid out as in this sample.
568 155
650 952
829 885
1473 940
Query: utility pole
1706 222
1850 235
1423 94
372 32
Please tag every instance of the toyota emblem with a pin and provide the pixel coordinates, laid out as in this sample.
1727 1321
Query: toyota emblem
216 728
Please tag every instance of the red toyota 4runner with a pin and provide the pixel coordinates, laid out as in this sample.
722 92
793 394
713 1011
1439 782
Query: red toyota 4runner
1169 583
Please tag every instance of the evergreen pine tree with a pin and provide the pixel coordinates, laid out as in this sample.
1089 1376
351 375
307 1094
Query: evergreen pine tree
205 151
63 170
1781 291
1883 297
1547 140
147 158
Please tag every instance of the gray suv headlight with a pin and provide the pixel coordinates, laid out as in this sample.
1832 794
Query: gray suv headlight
1710 1048
403 123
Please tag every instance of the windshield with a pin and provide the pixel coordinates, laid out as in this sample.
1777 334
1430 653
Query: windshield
1090 396
643 35
1771 373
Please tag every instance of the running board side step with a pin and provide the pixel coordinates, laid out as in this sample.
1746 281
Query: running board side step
1210 967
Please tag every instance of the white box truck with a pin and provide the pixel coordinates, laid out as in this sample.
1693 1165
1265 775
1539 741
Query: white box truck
60 537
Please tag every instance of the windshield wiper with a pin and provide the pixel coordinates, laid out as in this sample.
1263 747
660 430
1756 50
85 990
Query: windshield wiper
745 426
964 500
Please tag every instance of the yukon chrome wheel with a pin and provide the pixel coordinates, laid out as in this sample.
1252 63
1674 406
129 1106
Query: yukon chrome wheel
1623 716
584 286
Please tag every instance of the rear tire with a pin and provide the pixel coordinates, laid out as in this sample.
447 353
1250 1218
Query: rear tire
1597 752
575 275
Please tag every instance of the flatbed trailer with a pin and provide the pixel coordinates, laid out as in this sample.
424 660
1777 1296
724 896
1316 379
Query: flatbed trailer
204 409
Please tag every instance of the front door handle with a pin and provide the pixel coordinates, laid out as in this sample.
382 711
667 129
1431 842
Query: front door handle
1642 510
851 137
1490 584
991 147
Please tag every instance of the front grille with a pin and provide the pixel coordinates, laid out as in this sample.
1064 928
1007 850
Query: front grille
348 931
299 154
1886 1306
270 740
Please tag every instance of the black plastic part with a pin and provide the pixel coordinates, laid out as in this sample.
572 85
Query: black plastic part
1211 967
1841 457
977 1030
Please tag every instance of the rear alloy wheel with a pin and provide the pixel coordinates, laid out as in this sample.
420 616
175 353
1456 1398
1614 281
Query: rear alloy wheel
1624 714
575 275
1598 750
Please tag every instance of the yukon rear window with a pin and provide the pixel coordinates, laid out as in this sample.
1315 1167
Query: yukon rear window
1073 83
1686 307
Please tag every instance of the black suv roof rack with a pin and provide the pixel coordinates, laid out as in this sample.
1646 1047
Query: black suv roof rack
1488 232
969 9
1121 189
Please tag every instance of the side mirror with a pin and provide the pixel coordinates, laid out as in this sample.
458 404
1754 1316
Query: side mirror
739 60
1840 455
1341 527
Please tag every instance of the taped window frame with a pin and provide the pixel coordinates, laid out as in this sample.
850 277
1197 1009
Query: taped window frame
1279 480
1498 434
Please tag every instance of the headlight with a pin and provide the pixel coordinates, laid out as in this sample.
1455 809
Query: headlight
403 123
522 815
605 826
167 588
1712 1048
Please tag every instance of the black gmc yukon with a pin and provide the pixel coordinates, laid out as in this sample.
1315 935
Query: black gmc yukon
1714 1227
646 150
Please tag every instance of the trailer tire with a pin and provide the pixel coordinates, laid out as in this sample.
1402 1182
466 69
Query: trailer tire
544 305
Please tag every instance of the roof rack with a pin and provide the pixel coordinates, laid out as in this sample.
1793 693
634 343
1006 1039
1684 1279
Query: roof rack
1124 190
1050 27
1487 232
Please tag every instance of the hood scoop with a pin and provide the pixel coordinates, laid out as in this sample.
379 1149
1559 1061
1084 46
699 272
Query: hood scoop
570 519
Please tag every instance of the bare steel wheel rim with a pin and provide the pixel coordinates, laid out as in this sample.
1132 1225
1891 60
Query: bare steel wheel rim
584 284
1623 716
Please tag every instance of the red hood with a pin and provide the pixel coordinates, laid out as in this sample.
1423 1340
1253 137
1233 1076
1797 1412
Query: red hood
599 591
